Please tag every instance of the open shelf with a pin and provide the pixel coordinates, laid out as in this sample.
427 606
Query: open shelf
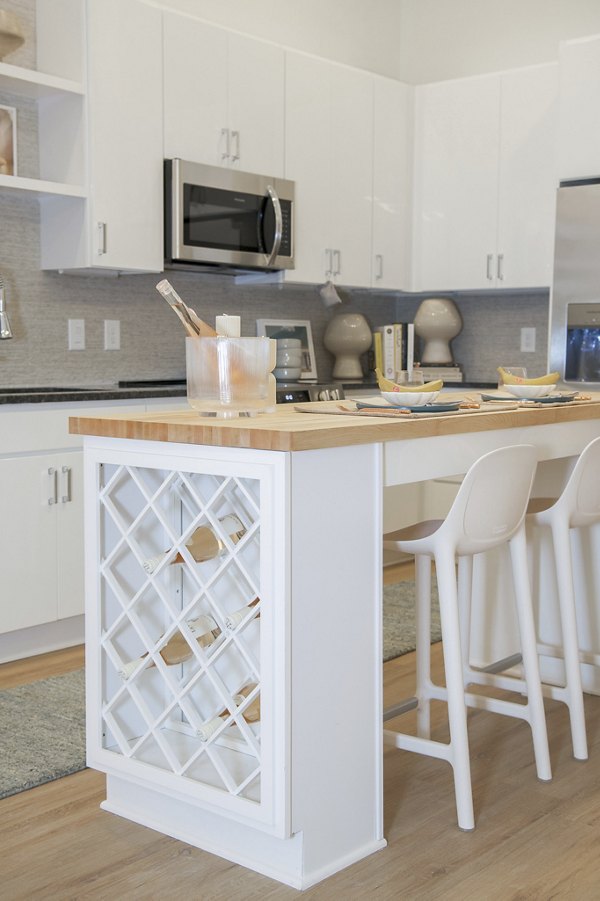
37 187
33 84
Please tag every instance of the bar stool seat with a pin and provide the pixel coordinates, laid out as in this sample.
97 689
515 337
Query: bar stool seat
488 511
577 507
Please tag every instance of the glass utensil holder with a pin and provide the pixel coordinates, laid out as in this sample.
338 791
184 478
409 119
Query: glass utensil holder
227 377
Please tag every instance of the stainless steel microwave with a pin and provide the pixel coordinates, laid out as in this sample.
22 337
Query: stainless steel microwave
227 219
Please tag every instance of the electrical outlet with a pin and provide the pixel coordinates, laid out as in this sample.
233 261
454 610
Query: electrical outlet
76 334
112 334
528 340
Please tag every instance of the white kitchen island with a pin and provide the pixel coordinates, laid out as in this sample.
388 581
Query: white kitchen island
298 795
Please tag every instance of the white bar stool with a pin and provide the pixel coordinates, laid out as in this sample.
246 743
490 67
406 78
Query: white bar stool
578 506
488 511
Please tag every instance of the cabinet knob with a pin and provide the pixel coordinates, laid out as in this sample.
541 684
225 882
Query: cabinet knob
379 269
489 263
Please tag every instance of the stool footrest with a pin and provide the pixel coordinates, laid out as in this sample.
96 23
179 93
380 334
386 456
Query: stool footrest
400 708
426 746
500 665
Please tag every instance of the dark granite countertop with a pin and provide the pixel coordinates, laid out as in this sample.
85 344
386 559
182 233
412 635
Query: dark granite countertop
142 389
122 391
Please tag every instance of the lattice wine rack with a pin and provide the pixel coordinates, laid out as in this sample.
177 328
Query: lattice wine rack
181 620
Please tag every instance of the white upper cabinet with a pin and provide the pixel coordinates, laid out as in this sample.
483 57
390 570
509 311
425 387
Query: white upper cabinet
120 226
579 111
485 181
329 155
392 184
223 97
527 178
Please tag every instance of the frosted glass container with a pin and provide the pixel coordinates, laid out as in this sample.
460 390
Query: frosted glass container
229 376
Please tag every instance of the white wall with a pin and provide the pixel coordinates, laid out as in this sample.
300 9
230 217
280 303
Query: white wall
413 40
363 33
442 39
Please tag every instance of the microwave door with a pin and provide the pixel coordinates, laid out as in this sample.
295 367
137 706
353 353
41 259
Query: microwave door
267 222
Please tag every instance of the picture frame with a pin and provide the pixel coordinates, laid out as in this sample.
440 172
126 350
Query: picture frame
8 140
292 328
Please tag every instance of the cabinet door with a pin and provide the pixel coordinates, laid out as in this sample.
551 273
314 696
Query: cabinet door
528 183
70 547
195 90
28 546
351 173
125 120
392 184
307 162
456 183
256 103
579 112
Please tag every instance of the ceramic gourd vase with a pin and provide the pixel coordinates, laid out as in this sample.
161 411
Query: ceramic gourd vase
437 321
347 337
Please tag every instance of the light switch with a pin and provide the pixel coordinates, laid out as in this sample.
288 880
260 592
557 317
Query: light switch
528 340
76 332
112 334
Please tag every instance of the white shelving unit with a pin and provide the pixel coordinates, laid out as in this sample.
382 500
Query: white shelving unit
39 86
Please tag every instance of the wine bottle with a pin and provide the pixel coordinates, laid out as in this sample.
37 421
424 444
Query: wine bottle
177 649
203 544
232 620
251 714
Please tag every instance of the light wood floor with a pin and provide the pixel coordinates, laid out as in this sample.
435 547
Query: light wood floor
533 840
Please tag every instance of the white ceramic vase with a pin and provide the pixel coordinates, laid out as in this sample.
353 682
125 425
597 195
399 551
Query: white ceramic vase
347 336
436 323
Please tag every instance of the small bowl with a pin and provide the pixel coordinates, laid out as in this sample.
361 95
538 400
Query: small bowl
409 398
529 391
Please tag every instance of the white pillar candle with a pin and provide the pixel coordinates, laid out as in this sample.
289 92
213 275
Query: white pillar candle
228 326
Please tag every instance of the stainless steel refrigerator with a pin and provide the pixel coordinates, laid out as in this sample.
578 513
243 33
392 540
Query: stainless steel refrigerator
574 338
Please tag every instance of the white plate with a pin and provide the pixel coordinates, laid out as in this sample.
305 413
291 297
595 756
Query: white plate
409 398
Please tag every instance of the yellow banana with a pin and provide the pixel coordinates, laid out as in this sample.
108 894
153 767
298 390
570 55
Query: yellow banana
388 385
510 379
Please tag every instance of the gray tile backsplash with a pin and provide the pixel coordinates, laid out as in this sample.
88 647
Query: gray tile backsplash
152 339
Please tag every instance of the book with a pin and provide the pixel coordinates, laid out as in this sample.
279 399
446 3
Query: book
388 347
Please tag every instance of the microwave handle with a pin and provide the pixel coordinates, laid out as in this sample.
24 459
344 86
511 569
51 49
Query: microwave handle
272 195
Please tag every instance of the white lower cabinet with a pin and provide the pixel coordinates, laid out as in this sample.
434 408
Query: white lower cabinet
41 522
42 546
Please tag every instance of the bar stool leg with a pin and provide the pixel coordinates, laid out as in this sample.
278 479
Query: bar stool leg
535 701
465 591
561 539
457 710
423 643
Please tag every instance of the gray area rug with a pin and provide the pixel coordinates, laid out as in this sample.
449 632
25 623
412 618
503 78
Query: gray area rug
399 618
42 732
42 725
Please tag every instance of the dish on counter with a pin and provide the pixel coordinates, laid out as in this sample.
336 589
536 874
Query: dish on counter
529 392
563 397
430 408
410 399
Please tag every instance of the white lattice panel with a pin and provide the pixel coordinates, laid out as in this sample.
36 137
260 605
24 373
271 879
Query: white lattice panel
200 720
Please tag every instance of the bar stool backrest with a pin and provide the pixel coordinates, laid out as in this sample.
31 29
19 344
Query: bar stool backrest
491 502
581 495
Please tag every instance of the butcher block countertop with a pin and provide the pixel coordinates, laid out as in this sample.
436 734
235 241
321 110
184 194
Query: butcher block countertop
291 429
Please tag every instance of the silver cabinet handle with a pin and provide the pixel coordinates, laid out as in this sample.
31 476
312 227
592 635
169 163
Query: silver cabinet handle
49 479
272 194
101 238
379 261
500 267
225 143
235 139
65 486
337 256
490 260
328 262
